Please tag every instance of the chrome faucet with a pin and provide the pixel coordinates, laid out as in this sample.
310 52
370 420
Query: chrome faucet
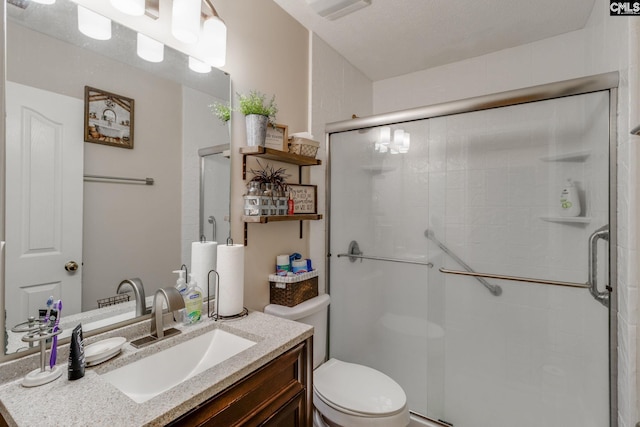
174 303
138 290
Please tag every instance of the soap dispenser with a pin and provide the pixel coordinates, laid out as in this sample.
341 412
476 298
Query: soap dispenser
192 302
181 283
569 200
181 286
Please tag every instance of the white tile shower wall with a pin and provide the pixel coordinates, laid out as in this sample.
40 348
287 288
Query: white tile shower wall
338 90
605 44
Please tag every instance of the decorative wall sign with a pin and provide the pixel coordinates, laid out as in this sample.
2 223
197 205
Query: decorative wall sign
304 198
108 118
277 137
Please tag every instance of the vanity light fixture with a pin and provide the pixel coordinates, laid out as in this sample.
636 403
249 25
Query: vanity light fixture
130 7
185 20
406 144
93 24
149 49
214 40
198 66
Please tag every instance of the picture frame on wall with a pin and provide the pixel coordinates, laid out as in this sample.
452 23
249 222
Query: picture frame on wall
108 118
304 198
277 137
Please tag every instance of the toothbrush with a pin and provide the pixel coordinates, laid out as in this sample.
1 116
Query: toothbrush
49 304
54 344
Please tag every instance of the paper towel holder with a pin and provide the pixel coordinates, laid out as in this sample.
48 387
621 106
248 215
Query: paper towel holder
214 314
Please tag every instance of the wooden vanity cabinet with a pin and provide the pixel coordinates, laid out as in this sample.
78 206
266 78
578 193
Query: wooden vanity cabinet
276 395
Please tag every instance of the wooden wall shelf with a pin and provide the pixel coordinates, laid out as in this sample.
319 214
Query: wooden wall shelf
276 155
263 219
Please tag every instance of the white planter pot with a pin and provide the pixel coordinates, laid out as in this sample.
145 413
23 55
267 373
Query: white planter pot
256 129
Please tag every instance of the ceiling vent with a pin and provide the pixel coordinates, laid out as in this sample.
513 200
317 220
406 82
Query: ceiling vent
334 9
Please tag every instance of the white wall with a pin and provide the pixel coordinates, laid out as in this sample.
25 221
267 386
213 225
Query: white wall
338 91
605 44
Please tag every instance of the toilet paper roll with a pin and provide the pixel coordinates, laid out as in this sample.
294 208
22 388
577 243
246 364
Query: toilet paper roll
204 256
231 271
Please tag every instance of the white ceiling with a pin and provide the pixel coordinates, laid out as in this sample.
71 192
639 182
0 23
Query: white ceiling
396 37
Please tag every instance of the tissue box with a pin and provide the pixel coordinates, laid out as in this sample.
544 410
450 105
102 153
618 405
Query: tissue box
292 290
303 146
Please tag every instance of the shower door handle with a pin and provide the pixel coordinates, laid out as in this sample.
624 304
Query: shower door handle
601 296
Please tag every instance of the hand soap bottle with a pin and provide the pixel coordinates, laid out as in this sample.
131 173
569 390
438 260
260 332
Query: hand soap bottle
569 200
192 302
181 286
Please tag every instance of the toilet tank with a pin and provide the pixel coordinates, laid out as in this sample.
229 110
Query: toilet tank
312 312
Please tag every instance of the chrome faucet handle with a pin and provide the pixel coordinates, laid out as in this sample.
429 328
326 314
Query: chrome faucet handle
174 302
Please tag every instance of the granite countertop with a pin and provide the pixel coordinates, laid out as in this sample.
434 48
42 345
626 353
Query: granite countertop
93 401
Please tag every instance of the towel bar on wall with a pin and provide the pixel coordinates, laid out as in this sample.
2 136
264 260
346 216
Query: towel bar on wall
146 181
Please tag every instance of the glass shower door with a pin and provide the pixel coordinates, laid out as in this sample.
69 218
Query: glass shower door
478 191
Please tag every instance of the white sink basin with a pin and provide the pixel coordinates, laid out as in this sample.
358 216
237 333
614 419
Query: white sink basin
148 377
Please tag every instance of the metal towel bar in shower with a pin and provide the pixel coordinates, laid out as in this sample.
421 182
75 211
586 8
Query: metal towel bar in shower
592 284
355 253
379 258
494 289
515 278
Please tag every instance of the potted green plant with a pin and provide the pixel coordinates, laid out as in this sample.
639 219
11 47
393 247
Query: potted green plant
273 185
221 111
258 114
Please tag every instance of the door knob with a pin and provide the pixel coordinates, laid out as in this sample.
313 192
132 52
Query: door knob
71 266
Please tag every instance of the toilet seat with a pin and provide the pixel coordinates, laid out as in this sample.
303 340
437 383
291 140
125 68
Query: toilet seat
346 392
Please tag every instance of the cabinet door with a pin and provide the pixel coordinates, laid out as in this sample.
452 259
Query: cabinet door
274 395
290 415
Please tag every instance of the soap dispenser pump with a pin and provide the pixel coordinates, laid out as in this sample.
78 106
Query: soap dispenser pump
569 200
192 302
181 283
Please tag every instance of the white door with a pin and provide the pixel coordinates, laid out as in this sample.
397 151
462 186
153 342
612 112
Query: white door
45 155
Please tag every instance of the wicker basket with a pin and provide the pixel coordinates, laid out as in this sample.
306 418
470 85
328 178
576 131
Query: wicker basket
292 293
303 146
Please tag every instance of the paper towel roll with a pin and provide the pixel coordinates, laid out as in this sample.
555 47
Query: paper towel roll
203 259
231 271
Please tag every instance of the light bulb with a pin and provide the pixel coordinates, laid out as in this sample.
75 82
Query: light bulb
149 49
385 135
93 24
214 41
185 21
130 7
198 66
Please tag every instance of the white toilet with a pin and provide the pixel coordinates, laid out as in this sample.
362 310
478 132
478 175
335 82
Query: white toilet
345 394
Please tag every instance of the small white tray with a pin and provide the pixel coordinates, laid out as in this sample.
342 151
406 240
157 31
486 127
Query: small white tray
102 351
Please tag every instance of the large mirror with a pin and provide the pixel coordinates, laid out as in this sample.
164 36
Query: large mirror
69 234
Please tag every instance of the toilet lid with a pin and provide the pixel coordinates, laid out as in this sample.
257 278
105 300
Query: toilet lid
358 388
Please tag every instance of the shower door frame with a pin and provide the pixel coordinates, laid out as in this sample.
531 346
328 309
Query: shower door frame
579 86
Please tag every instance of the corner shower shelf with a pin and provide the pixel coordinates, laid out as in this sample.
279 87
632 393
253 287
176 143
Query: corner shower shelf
567 219
578 156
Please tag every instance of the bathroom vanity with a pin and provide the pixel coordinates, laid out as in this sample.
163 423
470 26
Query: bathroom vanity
269 383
